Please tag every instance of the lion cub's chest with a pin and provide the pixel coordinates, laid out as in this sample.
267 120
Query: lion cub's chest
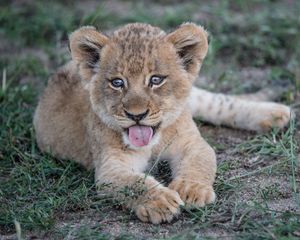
138 161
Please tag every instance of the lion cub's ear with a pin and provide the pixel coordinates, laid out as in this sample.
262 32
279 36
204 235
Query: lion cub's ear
85 45
191 45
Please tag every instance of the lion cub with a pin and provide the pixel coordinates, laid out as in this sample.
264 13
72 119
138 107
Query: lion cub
128 97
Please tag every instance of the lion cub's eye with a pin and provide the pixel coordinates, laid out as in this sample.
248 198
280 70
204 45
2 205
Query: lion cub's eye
117 83
156 80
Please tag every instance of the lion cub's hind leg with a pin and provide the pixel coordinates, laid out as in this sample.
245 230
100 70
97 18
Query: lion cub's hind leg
59 118
238 111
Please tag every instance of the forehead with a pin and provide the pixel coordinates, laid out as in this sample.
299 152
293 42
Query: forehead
137 48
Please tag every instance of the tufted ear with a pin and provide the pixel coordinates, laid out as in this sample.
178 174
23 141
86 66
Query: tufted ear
85 45
190 42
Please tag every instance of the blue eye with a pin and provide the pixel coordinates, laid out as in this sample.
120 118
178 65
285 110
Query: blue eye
156 80
117 83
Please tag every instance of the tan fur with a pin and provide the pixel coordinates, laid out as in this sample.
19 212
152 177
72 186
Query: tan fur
245 112
82 116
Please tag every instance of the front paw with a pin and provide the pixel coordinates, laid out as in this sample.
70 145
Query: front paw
160 204
193 194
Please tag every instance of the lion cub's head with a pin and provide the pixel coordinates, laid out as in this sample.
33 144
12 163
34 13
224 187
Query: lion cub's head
139 77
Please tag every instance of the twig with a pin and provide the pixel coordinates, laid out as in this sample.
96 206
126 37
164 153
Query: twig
18 229
254 172
4 80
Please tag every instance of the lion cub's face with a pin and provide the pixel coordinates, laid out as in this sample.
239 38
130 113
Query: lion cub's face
139 78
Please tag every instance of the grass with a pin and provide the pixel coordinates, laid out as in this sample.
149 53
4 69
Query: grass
48 197
33 186
255 219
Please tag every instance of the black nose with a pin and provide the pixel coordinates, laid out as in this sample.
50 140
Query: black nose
136 117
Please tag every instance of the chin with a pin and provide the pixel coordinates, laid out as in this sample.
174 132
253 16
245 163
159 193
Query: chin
155 140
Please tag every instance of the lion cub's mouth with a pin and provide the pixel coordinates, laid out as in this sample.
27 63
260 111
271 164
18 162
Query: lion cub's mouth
140 135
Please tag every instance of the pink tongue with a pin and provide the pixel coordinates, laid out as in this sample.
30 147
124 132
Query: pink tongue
140 135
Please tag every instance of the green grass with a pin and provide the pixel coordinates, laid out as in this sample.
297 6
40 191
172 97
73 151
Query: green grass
255 219
45 22
40 192
33 186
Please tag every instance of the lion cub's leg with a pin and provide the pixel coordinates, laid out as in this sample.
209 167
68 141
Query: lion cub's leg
150 200
238 112
193 164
